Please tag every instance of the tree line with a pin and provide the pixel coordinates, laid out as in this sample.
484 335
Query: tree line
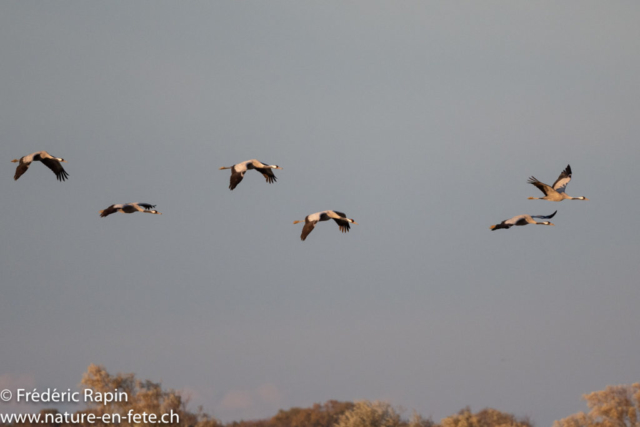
615 406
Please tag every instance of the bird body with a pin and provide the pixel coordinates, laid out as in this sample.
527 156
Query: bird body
238 170
51 162
311 220
129 208
523 220
556 192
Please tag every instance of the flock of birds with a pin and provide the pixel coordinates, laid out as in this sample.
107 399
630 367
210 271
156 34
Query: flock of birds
554 193
237 174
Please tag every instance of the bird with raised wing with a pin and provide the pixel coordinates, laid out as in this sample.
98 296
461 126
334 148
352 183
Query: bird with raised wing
51 162
555 193
311 220
523 220
238 170
129 208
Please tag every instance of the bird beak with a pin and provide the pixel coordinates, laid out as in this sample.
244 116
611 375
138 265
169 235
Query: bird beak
355 223
279 168
222 168
552 224
64 161
586 198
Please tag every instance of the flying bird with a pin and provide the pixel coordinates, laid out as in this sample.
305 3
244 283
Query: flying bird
523 220
51 162
311 220
238 170
556 192
129 208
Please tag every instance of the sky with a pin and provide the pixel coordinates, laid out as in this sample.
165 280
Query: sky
420 120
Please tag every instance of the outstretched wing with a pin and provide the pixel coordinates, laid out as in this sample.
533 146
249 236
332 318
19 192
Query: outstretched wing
111 209
541 186
561 183
308 228
147 206
268 174
344 225
544 216
236 177
503 224
21 169
56 167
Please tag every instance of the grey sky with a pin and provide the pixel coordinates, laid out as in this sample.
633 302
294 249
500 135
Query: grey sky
420 120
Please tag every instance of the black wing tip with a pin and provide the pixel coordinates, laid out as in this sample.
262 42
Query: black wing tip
502 225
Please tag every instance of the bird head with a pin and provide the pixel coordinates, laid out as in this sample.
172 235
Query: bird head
352 221
61 160
275 167
546 223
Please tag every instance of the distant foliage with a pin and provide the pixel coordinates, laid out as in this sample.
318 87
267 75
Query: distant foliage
371 414
485 418
325 415
417 421
317 416
615 406
142 396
